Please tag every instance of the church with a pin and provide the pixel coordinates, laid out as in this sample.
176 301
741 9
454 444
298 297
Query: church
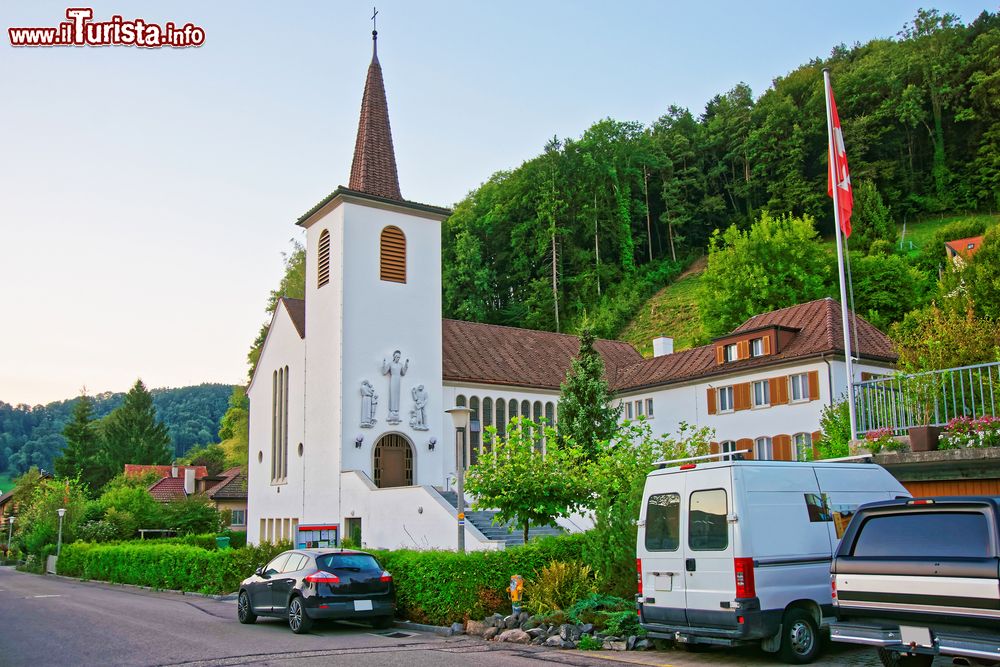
348 431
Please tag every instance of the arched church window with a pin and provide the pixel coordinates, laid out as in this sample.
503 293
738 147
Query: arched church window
487 421
550 413
513 408
501 418
323 270
526 409
540 432
474 430
392 258
460 401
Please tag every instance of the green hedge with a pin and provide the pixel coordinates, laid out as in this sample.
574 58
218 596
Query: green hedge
437 587
166 566
441 587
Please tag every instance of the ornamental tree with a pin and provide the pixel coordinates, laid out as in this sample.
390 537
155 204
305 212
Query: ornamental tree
525 483
586 415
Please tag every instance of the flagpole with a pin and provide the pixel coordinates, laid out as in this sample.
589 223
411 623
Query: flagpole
840 256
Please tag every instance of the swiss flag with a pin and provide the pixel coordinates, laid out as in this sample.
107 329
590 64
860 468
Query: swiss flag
839 174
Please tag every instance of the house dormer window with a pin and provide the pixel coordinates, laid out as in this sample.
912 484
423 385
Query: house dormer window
757 347
731 352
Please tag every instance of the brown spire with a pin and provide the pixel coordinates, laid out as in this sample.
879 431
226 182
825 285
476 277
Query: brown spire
374 168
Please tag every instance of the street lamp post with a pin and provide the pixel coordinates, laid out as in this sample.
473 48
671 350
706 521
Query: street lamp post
61 512
10 531
460 417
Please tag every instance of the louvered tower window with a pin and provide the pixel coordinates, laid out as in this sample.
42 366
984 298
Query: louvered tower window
392 264
323 272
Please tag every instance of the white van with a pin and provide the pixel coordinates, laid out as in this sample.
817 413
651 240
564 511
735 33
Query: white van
734 552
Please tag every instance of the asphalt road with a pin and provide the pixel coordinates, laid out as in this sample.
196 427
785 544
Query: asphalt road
55 621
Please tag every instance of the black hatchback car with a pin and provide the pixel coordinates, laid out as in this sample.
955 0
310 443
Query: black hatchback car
306 585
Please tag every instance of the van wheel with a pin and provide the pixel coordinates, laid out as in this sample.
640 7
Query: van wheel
799 637
897 659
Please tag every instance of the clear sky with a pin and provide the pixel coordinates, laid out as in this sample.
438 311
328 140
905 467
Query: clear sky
146 195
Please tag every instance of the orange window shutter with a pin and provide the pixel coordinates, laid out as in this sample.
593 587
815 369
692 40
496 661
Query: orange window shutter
778 390
720 354
742 350
712 407
713 448
745 443
782 447
817 436
741 396
767 344
813 385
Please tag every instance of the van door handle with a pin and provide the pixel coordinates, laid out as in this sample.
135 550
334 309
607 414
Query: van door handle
689 565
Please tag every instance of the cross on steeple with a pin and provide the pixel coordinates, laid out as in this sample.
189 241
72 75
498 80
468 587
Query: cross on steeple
374 27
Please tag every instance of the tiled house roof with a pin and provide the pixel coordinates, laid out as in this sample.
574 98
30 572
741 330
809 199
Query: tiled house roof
819 332
135 470
965 247
168 488
232 487
374 167
492 354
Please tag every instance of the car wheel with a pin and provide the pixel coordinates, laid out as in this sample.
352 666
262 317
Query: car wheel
897 659
383 622
243 609
298 621
800 641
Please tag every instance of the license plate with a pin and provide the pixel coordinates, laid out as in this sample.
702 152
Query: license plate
363 605
915 636
663 582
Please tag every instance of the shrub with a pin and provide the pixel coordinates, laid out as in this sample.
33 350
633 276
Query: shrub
882 438
590 608
621 623
558 586
588 643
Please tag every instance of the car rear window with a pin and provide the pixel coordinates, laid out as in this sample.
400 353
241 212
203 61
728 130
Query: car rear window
663 522
924 535
707 526
350 562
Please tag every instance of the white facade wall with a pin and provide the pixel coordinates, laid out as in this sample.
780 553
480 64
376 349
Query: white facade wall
268 499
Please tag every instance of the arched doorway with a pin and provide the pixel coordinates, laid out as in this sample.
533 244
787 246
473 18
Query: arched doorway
393 461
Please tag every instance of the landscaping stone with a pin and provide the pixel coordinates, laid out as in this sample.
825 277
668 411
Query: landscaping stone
535 633
569 644
456 629
554 640
569 632
494 621
551 630
490 633
523 618
509 622
475 628
514 636
610 645
538 641
630 643
642 645
586 628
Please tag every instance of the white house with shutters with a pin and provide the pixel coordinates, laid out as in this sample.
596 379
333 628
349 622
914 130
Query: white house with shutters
348 434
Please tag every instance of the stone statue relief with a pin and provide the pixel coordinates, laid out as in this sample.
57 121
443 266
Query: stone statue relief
369 401
418 415
395 370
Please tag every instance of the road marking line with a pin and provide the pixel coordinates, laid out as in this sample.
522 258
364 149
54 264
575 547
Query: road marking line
46 596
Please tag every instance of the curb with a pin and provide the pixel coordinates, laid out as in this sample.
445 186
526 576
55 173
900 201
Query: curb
230 597
441 630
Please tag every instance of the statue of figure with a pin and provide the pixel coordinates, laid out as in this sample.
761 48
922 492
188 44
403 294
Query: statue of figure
369 399
395 370
418 415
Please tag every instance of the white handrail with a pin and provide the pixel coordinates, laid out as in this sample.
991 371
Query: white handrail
856 457
700 458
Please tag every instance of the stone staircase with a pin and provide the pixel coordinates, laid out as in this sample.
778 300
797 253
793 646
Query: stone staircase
483 520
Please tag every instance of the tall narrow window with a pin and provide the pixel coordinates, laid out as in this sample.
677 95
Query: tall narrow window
513 409
550 413
487 422
392 260
802 445
475 428
727 447
284 426
275 396
323 269
460 401
763 449
502 417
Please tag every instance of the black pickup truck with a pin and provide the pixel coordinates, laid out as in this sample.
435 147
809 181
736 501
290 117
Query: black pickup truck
920 577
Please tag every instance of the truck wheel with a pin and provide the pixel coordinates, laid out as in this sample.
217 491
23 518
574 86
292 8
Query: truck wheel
897 659
800 641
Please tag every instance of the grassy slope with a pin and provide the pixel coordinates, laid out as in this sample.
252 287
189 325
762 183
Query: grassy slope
673 311
6 482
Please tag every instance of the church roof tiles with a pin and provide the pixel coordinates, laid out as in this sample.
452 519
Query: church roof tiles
374 168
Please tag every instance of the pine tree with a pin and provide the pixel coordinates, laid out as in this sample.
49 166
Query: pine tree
585 411
82 442
871 220
133 434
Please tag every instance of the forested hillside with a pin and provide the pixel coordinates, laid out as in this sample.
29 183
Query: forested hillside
32 435
594 225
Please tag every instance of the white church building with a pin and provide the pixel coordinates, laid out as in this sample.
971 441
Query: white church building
348 430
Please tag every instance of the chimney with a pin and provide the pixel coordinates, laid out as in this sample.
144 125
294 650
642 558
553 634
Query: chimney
662 346
173 470
189 480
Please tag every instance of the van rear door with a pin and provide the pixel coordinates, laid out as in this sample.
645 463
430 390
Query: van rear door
660 551
710 577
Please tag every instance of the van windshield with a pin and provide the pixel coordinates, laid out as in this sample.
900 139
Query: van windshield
663 522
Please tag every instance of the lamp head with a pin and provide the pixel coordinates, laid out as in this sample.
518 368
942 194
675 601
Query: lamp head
61 512
431 443
460 416
358 439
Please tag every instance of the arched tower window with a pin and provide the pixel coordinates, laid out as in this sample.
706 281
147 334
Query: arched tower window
392 255
323 269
